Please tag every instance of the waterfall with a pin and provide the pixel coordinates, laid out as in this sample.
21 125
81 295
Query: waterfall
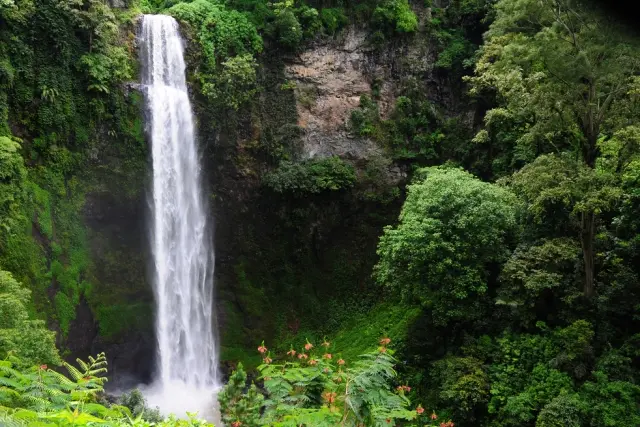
181 243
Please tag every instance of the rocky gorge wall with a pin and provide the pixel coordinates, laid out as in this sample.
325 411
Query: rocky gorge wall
287 264
291 264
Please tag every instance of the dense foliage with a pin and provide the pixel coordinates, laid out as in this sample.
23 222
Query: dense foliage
41 396
452 228
551 338
319 388
509 282
311 176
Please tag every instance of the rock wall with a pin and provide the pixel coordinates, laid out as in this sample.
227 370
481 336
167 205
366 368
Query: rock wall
287 265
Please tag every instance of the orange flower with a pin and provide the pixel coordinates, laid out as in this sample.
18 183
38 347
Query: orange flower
341 362
403 388
236 424
327 356
325 370
308 346
267 360
302 356
313 362
291 352
338 379
267 378
434 416
382 349
385 341
329 397
419 410
262 349
326 343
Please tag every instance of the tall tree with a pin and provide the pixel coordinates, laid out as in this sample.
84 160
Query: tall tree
565 78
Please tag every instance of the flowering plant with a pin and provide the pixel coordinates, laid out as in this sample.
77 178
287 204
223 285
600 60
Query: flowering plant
318 389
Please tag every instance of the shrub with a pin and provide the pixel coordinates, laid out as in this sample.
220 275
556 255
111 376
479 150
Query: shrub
311 176
395 16
333 19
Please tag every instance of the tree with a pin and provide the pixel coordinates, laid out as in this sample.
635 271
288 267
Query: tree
238 406
558 192
28 340
565 78
451 228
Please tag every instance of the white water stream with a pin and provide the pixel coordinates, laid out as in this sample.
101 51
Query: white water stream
186 378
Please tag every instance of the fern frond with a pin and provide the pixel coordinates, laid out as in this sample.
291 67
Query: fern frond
82 364
73 371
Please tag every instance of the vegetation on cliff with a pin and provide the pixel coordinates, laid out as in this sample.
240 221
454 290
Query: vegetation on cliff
508 284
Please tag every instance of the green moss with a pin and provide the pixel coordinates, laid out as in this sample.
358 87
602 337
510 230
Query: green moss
362 332
42 203
236 344
65 311
115 319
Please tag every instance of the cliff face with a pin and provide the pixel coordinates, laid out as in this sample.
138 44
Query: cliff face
285 263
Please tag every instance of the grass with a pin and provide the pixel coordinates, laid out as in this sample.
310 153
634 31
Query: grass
363 332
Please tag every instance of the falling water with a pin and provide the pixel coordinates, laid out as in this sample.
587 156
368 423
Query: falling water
180 238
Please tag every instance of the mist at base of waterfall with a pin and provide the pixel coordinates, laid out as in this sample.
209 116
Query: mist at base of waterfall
178 398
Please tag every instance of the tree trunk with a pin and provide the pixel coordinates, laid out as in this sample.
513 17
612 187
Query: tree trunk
590 152
587 236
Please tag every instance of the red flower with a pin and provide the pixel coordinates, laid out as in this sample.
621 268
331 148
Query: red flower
443 425
292 352
388 420
385 341
327 356
302 356
341 362
434 416
236 424
419 410
308 346
403 388
43 367
262 349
